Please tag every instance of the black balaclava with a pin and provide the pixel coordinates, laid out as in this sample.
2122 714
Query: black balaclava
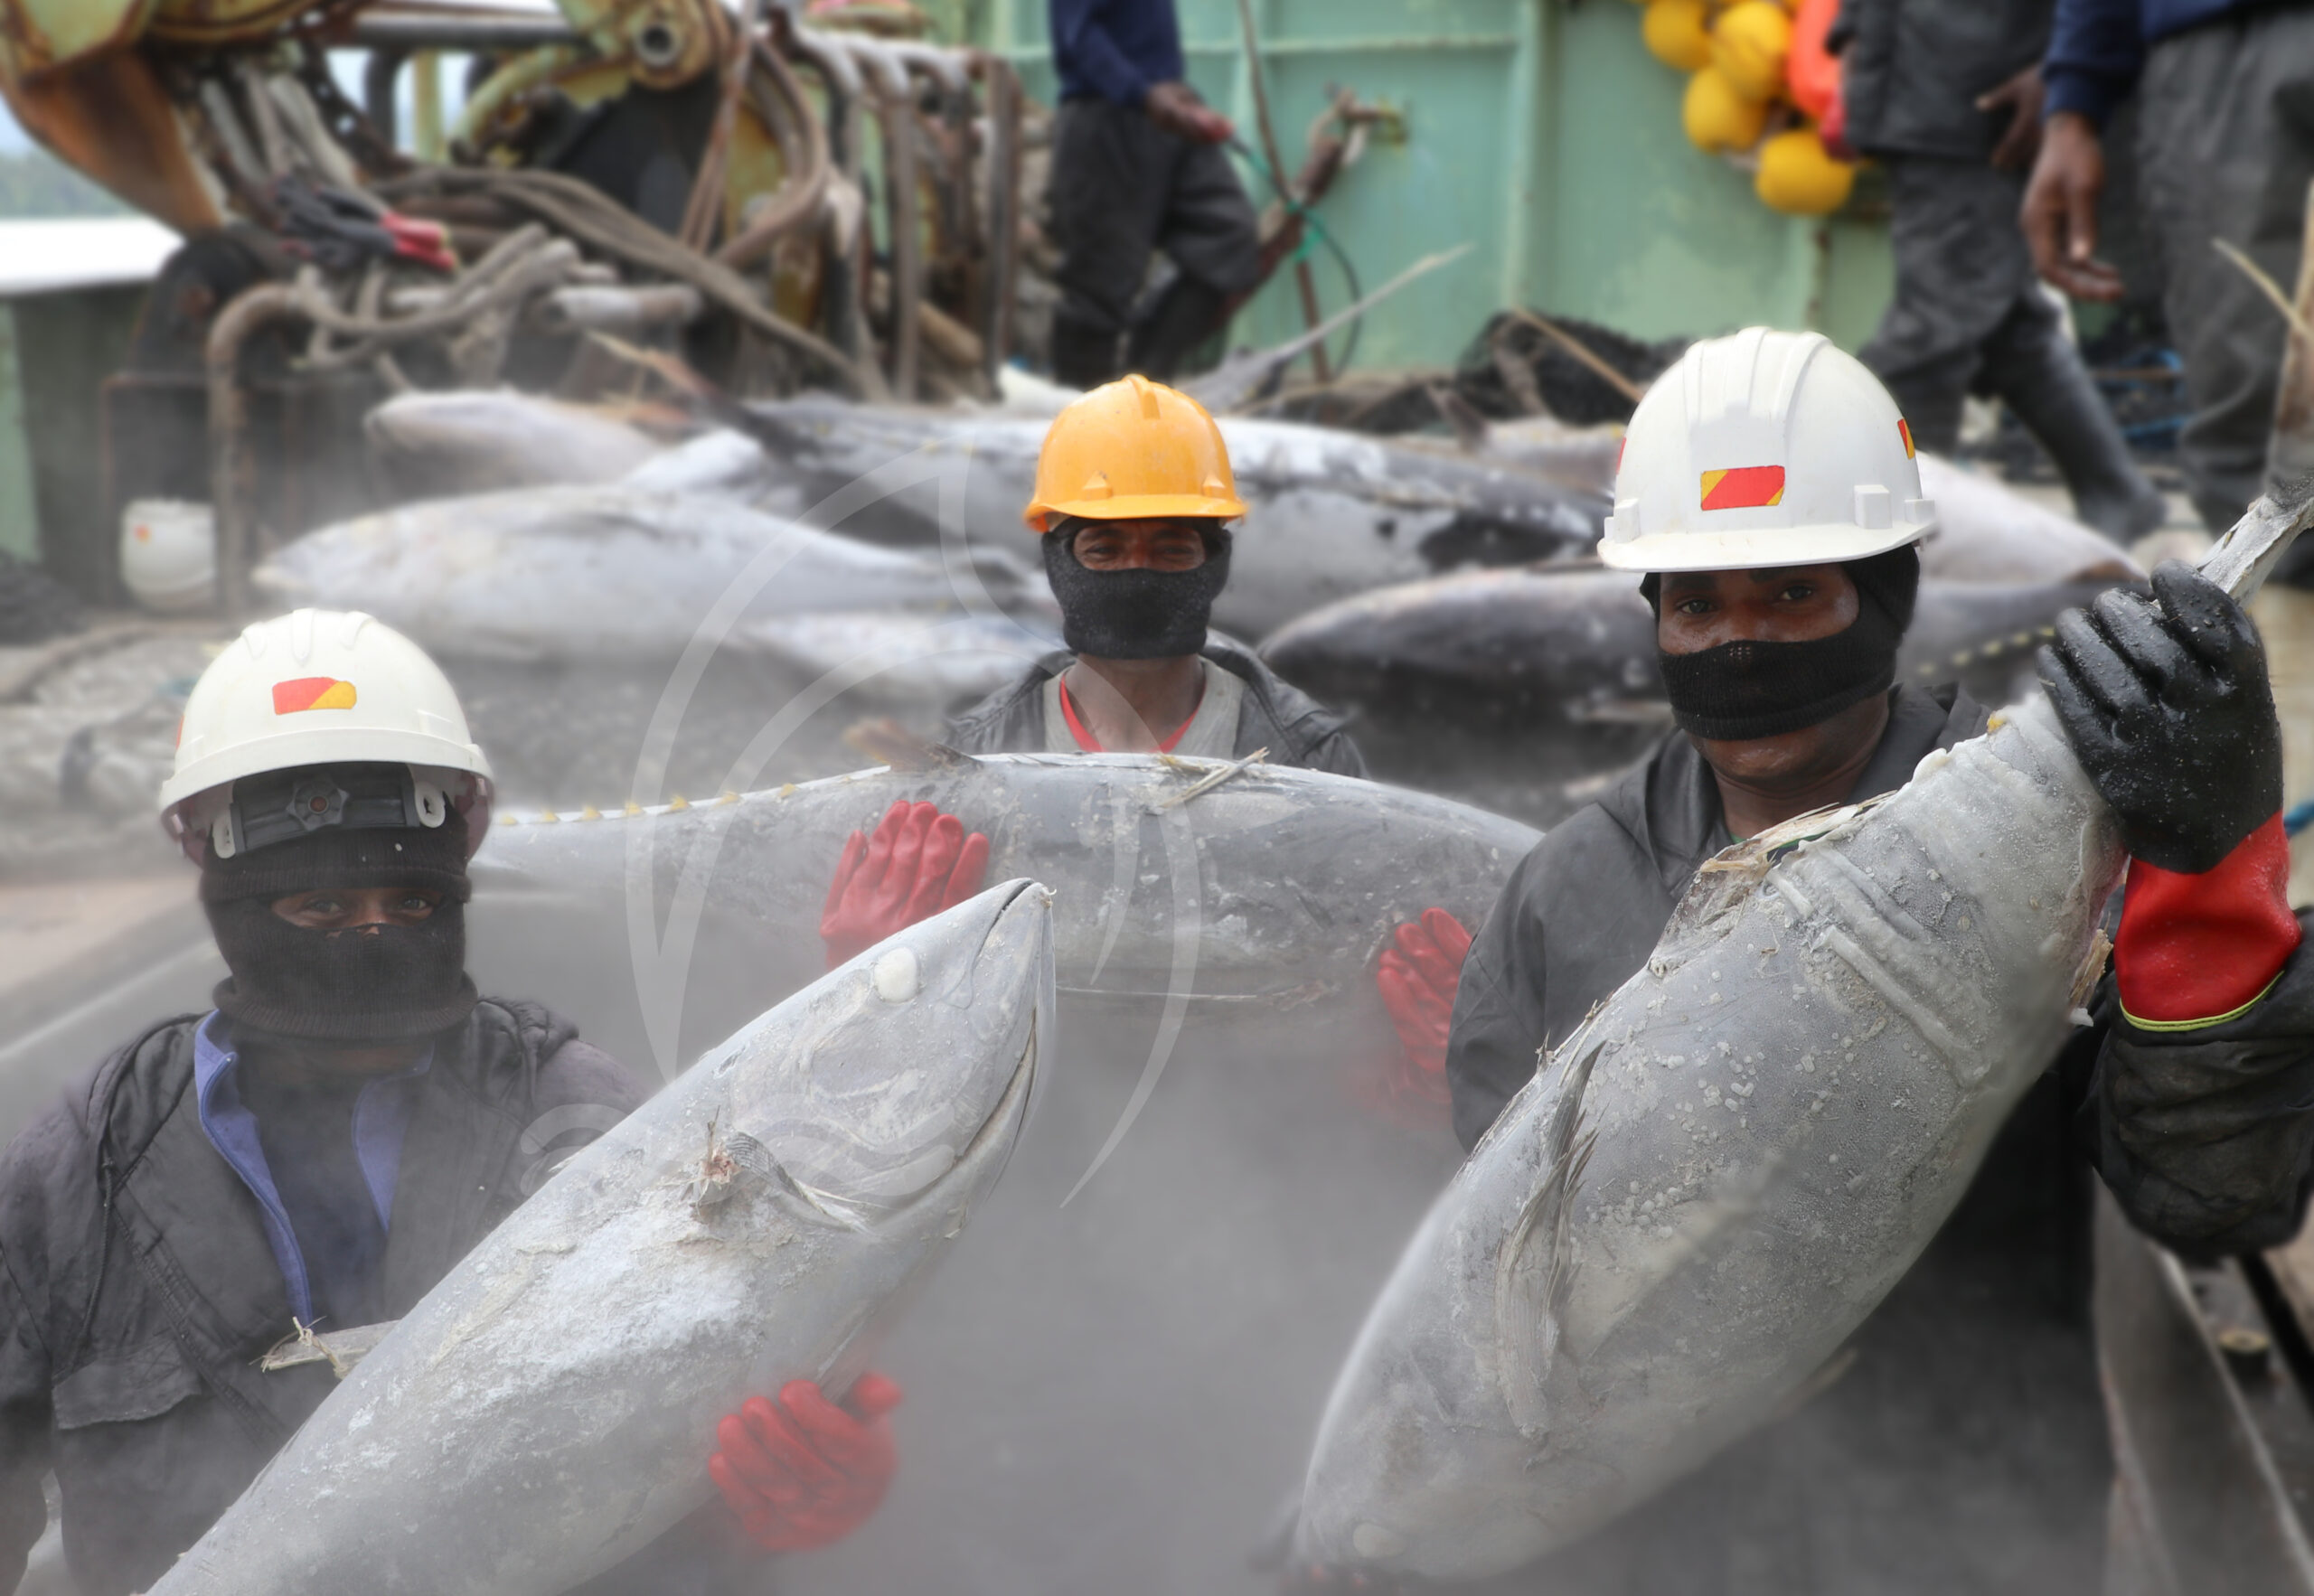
366 988
1741 690
1137 615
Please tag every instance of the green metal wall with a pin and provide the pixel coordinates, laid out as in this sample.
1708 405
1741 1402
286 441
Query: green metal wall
56 349
1539 131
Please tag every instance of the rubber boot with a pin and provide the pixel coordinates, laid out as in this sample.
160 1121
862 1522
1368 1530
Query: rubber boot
1084 356
1185 316
2058 402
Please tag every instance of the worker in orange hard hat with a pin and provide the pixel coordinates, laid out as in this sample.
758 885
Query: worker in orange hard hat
1134 498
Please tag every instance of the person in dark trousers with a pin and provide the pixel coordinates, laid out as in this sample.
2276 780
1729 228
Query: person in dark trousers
1137 166
1959 1444
2225 119
1133 496
1946 96
319 1150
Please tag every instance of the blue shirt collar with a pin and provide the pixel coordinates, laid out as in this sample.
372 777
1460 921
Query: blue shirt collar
381 1116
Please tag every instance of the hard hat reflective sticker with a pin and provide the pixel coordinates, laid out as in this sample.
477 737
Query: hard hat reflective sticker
312 692
1905 431
1746 487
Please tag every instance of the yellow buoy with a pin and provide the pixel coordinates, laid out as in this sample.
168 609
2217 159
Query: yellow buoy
1748 44
1799 176
1716 117
1676 34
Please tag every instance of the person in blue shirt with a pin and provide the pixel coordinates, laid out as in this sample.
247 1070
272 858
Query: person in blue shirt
2225 107
313 1154
1138 168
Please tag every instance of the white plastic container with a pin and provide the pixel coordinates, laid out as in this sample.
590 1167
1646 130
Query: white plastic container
168 554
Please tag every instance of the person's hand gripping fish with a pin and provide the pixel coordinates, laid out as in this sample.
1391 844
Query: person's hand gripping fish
1418 976
804 1472
2168 705
918 863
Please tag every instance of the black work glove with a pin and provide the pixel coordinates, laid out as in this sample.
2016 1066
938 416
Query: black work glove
2168 707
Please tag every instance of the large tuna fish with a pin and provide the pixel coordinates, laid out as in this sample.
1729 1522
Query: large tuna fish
1107 1392
609 572
547 1410
1329 514
1709 1185
1986 533
1556 654
1219 888
472 441
912 657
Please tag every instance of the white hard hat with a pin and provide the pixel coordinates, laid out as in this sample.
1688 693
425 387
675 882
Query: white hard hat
323 687
1764 448
168 554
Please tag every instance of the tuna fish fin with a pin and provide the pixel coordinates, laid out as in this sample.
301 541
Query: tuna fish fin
735 1156
1534 1272
1725 882
340 1349
888 742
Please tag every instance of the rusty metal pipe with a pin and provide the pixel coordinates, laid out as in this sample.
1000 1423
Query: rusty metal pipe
799 198
1001 208
896 111
846 313
232 463
627 310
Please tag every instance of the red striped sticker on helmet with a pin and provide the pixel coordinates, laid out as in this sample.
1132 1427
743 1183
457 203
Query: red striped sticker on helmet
1745 487
1905 431
312 692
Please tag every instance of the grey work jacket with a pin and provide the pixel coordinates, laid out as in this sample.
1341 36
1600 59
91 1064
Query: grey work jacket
1293 726
139 1291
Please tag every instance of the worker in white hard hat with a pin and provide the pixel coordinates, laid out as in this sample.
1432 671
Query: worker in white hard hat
1769 501
312 1155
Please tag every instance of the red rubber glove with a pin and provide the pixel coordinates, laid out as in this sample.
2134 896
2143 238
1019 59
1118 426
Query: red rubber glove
801 1472
1811 72
918 863
2196 949
1419 980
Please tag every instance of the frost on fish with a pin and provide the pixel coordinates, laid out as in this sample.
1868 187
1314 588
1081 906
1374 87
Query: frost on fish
548 1409
1287 884
612 571
1714 1180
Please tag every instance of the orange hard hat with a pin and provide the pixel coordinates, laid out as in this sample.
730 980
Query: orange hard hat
1130 449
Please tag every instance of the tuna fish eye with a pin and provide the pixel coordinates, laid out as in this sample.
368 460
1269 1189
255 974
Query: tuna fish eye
896 976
